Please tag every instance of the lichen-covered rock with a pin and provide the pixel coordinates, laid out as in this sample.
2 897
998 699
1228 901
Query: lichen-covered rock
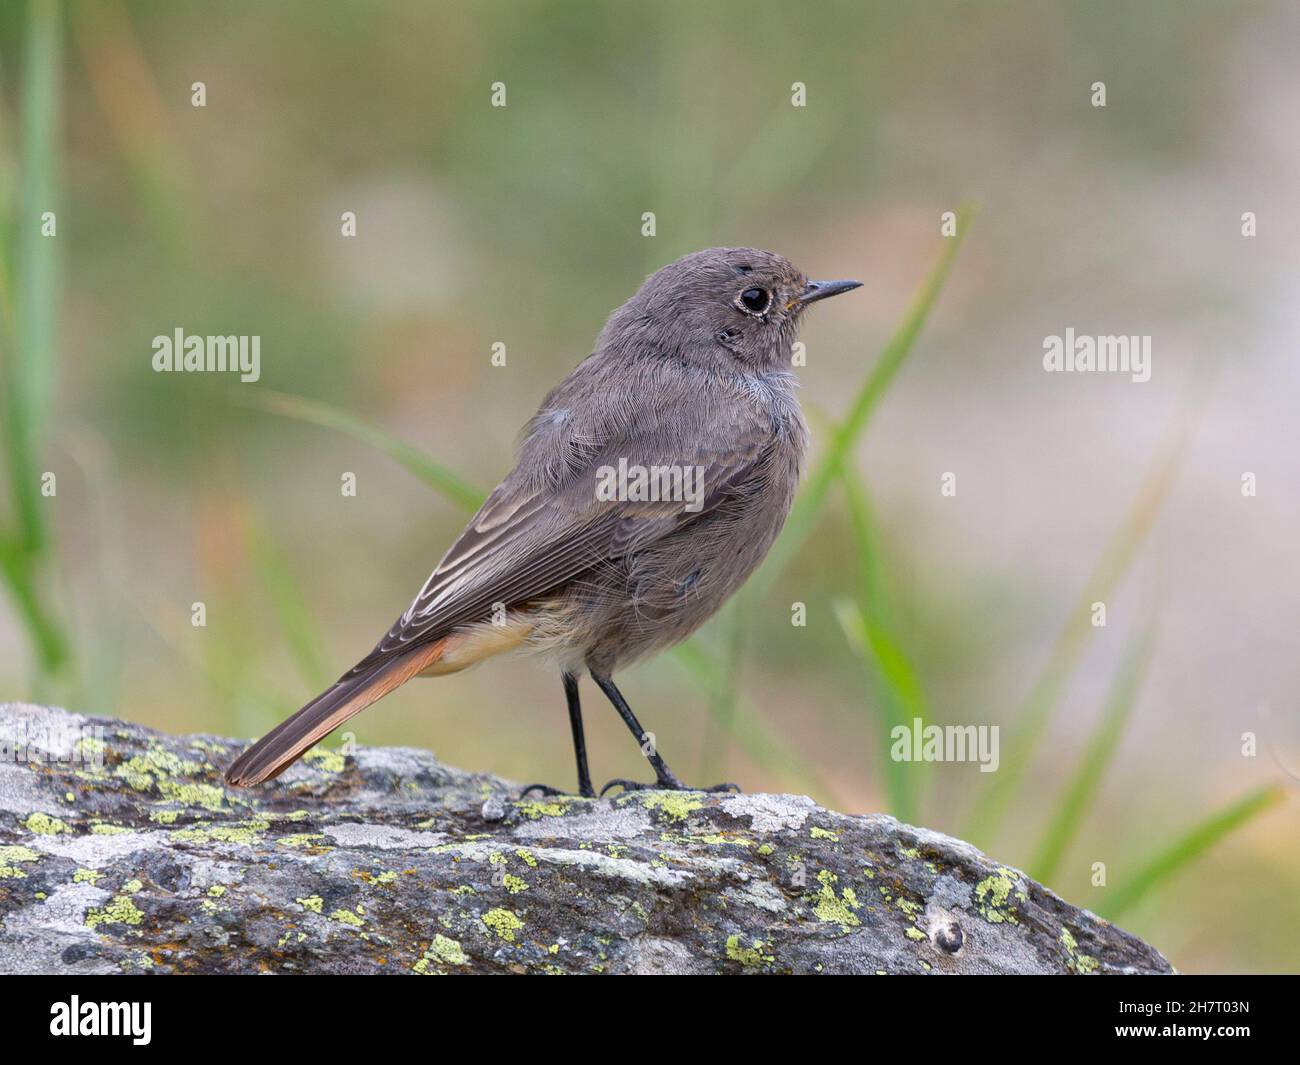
121 851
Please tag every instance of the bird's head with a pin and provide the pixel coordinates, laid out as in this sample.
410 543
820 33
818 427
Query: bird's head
730 305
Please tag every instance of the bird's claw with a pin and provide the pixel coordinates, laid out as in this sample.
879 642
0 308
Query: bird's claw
541 789
664 785
548 792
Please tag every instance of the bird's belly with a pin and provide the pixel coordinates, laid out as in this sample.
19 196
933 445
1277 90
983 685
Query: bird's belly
465 647
664 592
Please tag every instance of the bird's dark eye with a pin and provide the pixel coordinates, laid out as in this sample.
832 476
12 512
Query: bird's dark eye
755 300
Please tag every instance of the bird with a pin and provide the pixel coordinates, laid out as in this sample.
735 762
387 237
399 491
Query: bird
648 486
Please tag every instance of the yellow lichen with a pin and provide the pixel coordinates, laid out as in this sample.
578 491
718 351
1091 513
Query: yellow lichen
15 854
326 760
1080 963
245 832
121 910
302 840
833 909
751 955
45 825
675 805
208 796
442 951
157 764
994 893
535 808
503 923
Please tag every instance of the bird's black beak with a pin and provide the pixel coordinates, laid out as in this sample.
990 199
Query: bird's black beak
819 290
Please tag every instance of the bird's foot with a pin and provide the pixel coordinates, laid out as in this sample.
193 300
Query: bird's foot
547 791
663 785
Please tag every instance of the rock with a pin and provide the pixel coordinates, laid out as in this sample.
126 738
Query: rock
122 851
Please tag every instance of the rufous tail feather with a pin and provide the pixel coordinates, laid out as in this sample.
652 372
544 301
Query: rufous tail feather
291 739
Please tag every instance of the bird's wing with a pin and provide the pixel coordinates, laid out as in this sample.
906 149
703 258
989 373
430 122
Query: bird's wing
527 541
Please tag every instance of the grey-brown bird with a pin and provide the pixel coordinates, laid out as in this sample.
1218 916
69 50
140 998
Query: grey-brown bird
650 484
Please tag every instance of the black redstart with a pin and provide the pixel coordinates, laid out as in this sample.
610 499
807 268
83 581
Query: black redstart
649 486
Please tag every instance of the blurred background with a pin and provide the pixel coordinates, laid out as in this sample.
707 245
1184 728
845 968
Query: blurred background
1128 744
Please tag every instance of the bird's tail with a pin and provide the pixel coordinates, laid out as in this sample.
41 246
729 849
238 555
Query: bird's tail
353 692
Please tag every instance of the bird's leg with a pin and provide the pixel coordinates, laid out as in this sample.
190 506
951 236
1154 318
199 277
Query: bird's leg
665 778
579 744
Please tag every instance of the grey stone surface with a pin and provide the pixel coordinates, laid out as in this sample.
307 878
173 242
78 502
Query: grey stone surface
121 851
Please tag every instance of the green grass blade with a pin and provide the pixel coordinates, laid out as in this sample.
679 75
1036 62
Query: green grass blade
45 633
36 280
1189 847
1036 712
870 629
767 748
440 478
1078 795
808 507
872 646
725 698
302 635
873 590
29 348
